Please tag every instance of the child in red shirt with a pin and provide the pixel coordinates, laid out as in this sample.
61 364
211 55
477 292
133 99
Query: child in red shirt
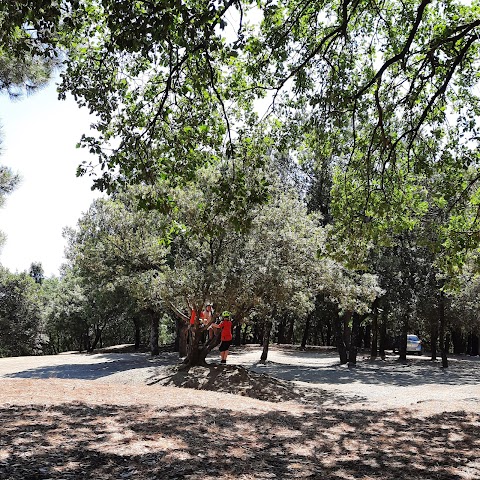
226 338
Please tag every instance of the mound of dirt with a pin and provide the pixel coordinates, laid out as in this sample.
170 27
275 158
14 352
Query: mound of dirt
238 380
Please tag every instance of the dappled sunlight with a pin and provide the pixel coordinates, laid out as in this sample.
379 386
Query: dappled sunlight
112 442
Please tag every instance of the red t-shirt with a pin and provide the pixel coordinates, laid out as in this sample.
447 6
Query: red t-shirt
226 326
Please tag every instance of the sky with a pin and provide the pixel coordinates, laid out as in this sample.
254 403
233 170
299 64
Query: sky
39 134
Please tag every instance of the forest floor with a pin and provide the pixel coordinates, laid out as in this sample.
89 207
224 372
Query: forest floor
302 415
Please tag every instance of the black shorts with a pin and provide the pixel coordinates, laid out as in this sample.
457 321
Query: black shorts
225 345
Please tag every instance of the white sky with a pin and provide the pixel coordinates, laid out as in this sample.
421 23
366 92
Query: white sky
39 134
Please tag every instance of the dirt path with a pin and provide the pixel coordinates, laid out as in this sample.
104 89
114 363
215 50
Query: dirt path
72 417
418 385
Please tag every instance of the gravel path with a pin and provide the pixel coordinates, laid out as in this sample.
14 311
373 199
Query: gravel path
419 384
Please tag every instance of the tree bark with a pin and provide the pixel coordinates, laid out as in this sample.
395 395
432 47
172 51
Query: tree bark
402 342
154 349
383 333
136 325
244 335
196 350
281 330
346 329
442 338
306 331
357 320
290 330
474 344
374 331
329 332
238 335
98 336
457 341
367 336
339 324
433 336
266 340
181 337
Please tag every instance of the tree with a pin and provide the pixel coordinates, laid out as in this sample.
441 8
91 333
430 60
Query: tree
36 272
157 76
118 254
20 317
65 313
8 182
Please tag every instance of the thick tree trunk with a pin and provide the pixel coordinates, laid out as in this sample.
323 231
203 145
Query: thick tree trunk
306 331
457 341
266 340
196 350
352 352
442 338
340 338
473 349
136 325
181 337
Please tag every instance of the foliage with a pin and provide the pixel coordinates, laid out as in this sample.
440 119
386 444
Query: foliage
20 315
118 255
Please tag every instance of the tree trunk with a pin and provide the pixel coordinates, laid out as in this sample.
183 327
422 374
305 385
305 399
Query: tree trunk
346 329
98 336
290 330
352 351
244 335
136 325
181 338
260 333
383 333
433 336
305 331
374 330
266 340
238 335
281 330
329 332
367 335
197 351
154 349
457 340
338 325
402 342
474 344
442 338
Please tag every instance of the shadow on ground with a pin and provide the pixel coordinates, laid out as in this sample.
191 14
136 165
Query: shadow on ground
414 372
107 442
101 365
241 381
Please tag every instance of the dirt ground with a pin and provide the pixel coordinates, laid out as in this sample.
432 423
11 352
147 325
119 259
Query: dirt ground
302 415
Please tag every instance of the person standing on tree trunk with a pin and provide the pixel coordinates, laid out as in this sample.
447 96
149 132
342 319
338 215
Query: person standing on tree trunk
226 338
206 319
